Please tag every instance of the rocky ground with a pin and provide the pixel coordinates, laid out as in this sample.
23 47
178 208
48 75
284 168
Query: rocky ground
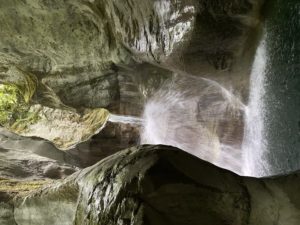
157 185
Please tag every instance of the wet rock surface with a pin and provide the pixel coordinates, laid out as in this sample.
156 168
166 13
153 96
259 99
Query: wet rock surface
69 57
282 86
73 63
70 60
161 185
113 138
7 214
23 158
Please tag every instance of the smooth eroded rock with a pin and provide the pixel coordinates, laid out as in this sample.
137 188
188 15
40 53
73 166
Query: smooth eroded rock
161 185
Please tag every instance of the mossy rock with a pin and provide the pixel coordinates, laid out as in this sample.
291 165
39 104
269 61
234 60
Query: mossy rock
17 187
161 185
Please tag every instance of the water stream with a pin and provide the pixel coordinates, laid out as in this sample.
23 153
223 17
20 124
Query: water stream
125 119
254 144
199 116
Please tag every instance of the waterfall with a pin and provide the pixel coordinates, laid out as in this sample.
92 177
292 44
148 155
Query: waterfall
199 116
254 144
125 119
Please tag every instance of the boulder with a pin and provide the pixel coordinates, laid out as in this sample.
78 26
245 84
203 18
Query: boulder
161 185
26 158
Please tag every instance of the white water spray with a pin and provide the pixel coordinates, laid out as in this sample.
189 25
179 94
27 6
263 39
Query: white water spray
125 119
198 116
254 144
201 117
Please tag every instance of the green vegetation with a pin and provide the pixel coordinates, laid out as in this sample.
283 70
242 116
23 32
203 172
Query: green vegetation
11 104
20 187
14 110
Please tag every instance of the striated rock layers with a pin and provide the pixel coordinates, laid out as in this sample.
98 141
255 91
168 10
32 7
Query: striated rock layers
158 185
67 60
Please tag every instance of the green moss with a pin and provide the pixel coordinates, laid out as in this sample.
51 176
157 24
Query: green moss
26 119
96 118
11 104
20 187
14 108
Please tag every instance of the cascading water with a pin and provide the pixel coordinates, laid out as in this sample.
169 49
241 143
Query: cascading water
199 116
125 119
254 144
203 118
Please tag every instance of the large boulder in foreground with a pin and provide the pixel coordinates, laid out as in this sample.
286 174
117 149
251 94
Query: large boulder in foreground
161 185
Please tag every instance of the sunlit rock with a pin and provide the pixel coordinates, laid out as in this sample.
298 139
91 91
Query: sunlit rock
64 128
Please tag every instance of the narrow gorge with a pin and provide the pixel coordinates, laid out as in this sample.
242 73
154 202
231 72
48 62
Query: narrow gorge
149 112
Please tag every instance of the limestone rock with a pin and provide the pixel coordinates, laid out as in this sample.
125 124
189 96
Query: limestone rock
24 158
66 57
7 214
113 138
53 121
63 128
25 165
55 205
161 185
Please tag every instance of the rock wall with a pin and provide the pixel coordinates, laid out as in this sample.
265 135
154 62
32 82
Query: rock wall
156 185
66 57
282 94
